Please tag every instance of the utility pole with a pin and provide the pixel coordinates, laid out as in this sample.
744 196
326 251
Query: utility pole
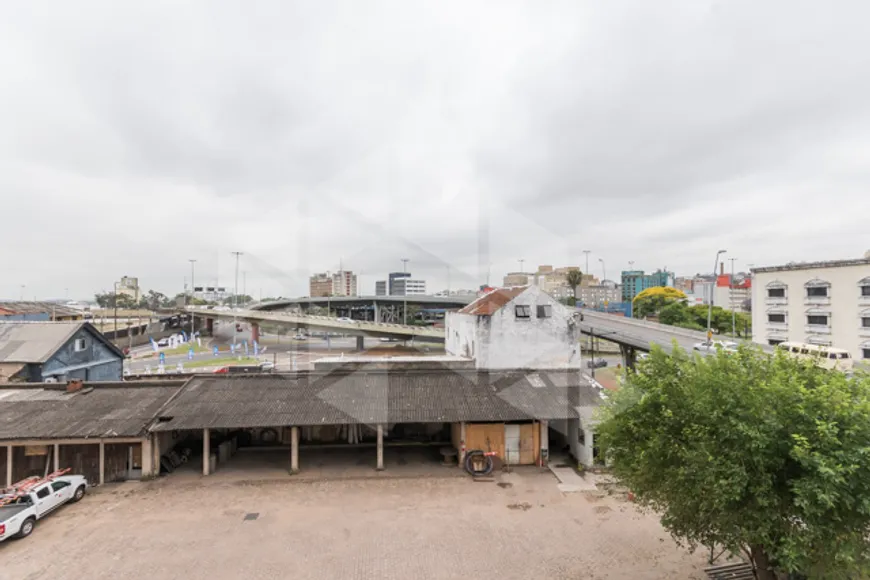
245 285
115 300
712 289
405 292
603 271
587 260
731 301
236 296
192 290
521 261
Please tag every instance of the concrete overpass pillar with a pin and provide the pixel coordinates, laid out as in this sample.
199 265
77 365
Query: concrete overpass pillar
629 356
377 311
209 326
360 343
255 332
206 452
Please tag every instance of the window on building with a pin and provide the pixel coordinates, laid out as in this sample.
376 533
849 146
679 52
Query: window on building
776 292
817 319
865 290
523 312
865 322
817 292
776 317
80 344
866 353
545 311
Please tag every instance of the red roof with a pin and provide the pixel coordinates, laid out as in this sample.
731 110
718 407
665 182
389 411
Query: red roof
488 304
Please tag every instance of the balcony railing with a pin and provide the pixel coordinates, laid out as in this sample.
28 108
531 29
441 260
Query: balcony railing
863 331
775 300
817 329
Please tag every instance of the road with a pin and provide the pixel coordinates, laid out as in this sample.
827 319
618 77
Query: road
284 351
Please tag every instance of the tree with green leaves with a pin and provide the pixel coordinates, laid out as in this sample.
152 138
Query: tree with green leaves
652 300
574 278
754 453
110 300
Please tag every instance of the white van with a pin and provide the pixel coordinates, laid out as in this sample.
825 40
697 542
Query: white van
826 357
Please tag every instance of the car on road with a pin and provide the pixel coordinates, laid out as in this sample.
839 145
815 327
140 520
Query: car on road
596 363
345 319
267 366
21 508
643 356
714 345
300 336
163 342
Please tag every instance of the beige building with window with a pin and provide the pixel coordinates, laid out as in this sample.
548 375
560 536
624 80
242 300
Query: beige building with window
824 303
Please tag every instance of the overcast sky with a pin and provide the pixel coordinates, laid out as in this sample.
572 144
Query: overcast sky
458 135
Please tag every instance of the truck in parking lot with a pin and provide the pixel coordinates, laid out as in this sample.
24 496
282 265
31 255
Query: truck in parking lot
30 500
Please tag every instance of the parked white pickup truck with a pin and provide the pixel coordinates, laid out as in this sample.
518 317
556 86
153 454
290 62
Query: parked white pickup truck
18 517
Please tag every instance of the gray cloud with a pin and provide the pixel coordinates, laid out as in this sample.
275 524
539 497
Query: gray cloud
465 137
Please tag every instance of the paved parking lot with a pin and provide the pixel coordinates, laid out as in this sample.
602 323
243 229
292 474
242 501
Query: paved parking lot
519 526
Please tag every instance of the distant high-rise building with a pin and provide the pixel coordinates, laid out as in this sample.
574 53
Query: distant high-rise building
408 287
320 285
381 288
392 277
555 280
129 287
344 283
513 279
635 281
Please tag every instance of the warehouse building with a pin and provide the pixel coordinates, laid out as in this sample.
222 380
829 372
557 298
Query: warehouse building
98 430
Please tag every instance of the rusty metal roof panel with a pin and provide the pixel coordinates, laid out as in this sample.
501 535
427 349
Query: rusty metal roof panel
374 397
95 411
490 303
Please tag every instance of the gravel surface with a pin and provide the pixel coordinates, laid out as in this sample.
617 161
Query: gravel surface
517 526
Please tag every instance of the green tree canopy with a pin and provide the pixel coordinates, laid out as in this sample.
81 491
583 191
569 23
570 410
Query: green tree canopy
755 453
652 300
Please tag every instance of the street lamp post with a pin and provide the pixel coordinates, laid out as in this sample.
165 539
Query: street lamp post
603 271
115 301
236 297
712 288
405 291
192 290
587 260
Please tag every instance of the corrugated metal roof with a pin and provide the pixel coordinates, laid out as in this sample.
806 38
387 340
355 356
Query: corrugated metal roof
98 410
33 342
36 342
490 303
28 307
376 397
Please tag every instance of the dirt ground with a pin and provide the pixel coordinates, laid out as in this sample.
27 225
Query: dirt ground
518 526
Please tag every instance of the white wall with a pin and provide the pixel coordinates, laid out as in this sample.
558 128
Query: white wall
461 334
508 342
845 305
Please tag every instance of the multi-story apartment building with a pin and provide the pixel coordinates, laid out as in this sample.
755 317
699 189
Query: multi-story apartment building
732 295
635 281
824 303
555 280
344 283
320 285
599 295
381 288
211 293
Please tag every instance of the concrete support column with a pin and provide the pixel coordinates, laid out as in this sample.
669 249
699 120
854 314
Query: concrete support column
545 442
462 449
209 326
9 466
56 457
380 447
629 356
255 332
155 454
206 452
587 458
360 343
102 462
147 458
294 449
377 312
